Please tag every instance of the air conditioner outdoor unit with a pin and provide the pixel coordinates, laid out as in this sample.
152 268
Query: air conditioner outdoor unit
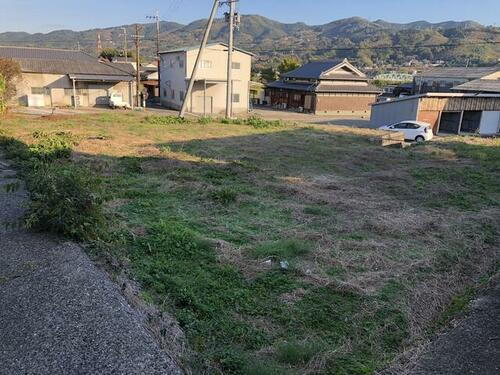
36 100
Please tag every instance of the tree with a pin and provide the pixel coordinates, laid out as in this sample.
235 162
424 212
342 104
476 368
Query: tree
269 74
288 64
110 53
9 72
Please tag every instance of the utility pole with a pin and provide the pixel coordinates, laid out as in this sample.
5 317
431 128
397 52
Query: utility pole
200 56
157 18
229 94
125 50
99 44
137 62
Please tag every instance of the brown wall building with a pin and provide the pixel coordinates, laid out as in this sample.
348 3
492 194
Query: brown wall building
324 87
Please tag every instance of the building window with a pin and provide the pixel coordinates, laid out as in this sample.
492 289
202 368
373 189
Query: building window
206 64
165 93
181 95
236 98
297 97
236 65
38 91
173 94
180 61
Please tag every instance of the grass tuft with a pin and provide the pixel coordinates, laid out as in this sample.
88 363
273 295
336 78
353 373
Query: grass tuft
283 249
297 353
224 195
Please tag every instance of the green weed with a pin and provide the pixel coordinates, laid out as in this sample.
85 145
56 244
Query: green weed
165 120
297 353
224 195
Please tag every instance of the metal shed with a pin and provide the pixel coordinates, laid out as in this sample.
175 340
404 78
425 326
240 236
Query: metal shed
446 112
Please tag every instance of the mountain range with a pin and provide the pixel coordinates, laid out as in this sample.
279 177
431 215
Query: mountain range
368 43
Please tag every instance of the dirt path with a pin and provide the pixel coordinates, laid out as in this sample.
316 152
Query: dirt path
471 348
59 314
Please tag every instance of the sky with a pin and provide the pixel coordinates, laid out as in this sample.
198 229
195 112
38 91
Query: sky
47 15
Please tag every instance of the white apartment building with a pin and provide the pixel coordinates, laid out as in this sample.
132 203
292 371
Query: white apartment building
209 92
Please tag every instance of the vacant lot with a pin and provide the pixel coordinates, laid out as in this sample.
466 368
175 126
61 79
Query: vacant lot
288 249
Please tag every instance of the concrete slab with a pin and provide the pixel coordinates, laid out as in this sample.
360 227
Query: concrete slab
59 313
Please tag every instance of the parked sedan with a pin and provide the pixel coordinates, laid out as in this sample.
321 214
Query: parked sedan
413 130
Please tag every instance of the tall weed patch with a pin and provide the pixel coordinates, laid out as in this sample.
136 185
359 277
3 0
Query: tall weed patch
65 198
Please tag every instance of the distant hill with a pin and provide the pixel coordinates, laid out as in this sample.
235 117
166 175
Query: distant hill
271 39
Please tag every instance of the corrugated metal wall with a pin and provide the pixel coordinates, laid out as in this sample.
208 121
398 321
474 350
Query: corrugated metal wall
460 104
392 112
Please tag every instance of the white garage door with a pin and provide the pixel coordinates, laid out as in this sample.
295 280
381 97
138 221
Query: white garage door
490 122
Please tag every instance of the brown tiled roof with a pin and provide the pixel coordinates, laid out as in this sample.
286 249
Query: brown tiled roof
57 61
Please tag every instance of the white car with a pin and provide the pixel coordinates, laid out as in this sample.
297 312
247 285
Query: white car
116 101
413 130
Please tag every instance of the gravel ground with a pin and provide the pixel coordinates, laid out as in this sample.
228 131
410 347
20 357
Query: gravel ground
473 347
60 314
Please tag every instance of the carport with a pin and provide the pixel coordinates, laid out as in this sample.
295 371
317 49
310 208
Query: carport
98 87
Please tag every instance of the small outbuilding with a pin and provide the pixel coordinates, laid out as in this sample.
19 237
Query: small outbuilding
454 113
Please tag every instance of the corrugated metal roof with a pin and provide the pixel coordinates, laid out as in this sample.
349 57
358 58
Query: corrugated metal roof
459 72
192 48
437 95
56 61
313 70
480 85
101 77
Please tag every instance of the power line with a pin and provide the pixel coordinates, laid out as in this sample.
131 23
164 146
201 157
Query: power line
355 48
251 46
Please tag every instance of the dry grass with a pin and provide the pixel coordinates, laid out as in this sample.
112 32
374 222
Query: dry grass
412 226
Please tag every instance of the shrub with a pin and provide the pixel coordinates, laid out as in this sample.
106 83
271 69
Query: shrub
9 72
3 89
165 120
205 120
254 121
260 123
65 199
